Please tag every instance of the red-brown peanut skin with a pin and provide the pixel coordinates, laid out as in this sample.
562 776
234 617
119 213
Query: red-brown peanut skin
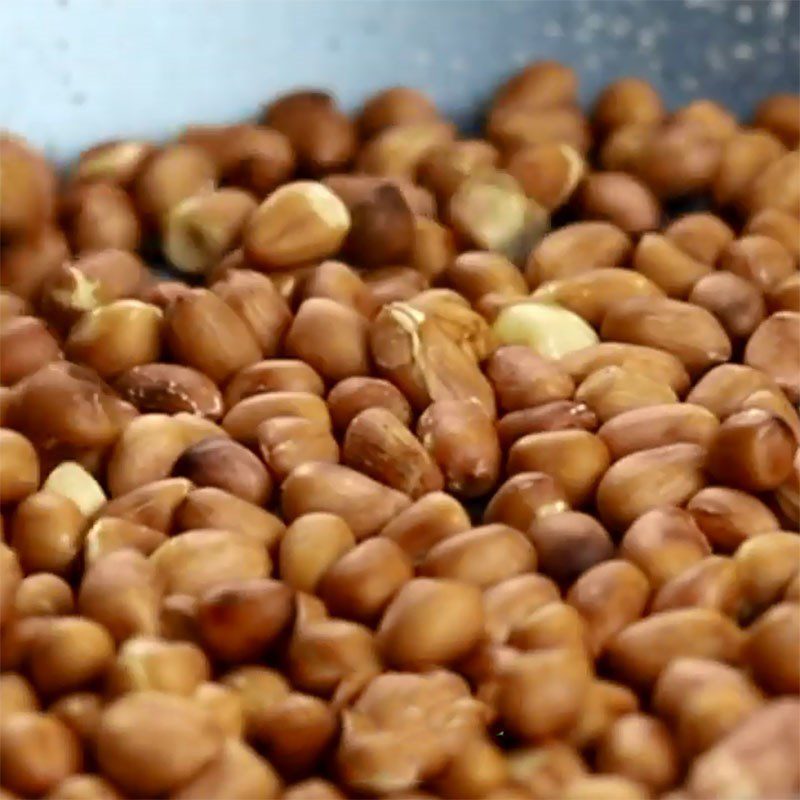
483 556
773 649
641 651
525 497
609 596
663 543
461 438
757 759
576 459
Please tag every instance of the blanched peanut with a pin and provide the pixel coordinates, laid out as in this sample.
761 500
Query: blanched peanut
406 636
640 748
609 596
482 556
641 651
663 543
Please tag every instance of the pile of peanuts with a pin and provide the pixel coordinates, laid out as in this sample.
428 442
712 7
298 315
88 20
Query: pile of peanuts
450 468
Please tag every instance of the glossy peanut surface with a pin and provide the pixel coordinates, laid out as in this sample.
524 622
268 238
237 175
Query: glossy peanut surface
440 467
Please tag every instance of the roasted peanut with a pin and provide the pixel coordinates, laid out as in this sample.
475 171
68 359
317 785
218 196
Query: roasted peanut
765 565
466 556
19 467
773 648
576 459
43 594
709 583
363 503
640 748
641 651
279 375
548 173
609 596
210 507
758 754
352 395
122 592
113 162
555 682
170 389
363 581
460 437
577 248
569 543
663 542
752 450
25 345
690 333
131 737
432 518
195 561
379 445
39 751
770 349
590 294
559 415
239 621
99 215
334 280
644 480
227 465
524 498
243 420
